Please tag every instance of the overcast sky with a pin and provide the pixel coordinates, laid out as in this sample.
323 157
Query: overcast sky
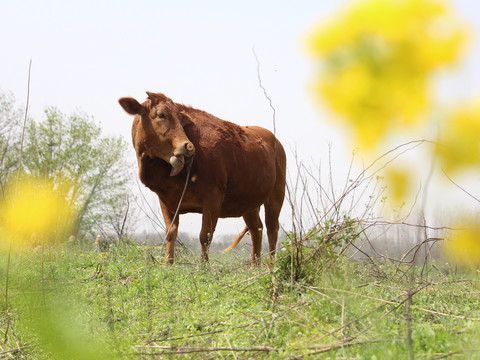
87 54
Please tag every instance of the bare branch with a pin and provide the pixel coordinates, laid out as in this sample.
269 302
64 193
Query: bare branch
25 120
265 93
461 188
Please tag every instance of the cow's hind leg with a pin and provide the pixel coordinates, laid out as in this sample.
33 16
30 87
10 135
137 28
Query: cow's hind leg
255 227
272 211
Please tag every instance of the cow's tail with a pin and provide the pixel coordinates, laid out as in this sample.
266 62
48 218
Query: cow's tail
237 240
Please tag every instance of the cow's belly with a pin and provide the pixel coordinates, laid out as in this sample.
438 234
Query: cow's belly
238 204
236 211
228 209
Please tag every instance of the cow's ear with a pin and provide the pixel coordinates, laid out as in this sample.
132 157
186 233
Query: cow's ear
185 119
130 105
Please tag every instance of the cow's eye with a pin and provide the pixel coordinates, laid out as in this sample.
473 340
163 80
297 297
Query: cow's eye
162 116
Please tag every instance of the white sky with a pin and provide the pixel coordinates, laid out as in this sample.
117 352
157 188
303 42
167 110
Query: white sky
87 54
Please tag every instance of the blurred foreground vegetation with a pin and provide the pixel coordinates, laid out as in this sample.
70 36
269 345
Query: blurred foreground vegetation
67 302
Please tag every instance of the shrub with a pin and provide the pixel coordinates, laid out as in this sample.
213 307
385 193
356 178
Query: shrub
302 258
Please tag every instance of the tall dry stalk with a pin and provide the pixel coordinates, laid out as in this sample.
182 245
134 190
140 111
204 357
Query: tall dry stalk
9 256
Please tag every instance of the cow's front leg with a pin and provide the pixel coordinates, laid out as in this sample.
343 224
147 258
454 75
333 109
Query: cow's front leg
255 227
210 214
171 235
209 222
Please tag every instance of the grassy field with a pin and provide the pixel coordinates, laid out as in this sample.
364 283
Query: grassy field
69 303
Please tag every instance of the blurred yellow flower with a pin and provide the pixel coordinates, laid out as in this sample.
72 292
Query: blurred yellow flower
399 184
376 58
459 144
34 211
464 246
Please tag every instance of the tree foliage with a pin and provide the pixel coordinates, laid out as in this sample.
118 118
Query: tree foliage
70 152
10 134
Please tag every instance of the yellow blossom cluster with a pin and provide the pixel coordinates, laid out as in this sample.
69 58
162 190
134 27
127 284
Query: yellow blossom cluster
34 211
458 147
463 247
399 182
376 58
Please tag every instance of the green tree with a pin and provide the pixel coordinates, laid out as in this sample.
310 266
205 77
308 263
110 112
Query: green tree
10 135
91 168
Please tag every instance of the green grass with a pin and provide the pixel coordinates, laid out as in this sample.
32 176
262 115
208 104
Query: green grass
126 305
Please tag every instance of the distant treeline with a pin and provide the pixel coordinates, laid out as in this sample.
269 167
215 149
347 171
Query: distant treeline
191 241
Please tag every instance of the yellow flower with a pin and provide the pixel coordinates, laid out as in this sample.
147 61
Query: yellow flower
399 183
34 211
459 145
464 245
376 58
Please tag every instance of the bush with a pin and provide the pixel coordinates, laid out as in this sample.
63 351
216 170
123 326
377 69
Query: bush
302 257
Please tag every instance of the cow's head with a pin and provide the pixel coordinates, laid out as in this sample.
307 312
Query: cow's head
158 129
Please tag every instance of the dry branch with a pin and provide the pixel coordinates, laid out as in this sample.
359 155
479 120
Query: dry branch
24 121
461 188
176 350
453 353
203 334
247 280
438 313
7 354
338 345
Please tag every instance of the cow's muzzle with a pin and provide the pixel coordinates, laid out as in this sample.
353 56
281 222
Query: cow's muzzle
178 160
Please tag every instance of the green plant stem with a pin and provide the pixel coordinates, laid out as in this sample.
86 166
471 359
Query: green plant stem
7 276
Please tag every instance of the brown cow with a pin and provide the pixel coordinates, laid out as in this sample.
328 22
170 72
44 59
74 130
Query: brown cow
234 169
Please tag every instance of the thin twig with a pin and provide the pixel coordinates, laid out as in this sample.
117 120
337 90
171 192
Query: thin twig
229 344
265 93
203 334
181 197
175 350
247 280
339 345
24 121
356 294
452 353
7 273
16 350
461 188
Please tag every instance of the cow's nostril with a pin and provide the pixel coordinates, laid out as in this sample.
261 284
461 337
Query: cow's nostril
189 146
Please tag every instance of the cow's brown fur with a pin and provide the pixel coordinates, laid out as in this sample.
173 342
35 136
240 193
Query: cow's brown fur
235 170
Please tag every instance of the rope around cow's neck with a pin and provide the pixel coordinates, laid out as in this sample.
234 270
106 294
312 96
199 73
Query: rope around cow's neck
181 197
